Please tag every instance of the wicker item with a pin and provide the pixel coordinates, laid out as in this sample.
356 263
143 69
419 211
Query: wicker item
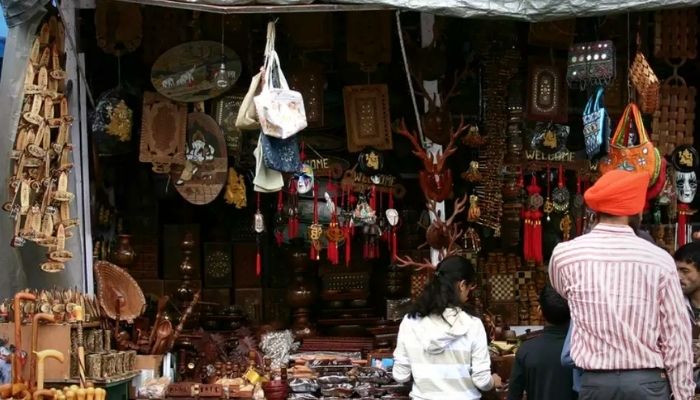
676 34
674 120
116 285
645 83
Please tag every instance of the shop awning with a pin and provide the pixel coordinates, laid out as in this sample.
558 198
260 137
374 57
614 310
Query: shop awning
528 10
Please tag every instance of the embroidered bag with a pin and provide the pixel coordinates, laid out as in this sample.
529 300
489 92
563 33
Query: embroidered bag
642 157
590 64
596 126
281 154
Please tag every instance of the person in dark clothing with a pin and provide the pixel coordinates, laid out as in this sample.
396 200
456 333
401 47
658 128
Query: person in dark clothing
537 370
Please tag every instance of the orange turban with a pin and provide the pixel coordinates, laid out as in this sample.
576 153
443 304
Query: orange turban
619 193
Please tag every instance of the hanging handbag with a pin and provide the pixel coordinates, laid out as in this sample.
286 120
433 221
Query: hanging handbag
280 110
247 118
646 83
591 64
281 154
622 155
596 126
266 180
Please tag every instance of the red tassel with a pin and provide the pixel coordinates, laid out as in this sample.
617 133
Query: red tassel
258 264
537 236
683 211
373 198
394 244
527 236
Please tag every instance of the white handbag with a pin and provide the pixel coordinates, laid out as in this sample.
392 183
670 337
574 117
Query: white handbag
280 110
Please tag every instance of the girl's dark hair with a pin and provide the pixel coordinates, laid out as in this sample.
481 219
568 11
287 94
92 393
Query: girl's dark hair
441 292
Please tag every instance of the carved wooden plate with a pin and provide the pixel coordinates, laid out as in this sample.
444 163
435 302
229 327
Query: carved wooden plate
203 175
188 72
367 117
163 128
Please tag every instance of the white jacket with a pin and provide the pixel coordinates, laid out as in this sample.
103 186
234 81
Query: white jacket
447 356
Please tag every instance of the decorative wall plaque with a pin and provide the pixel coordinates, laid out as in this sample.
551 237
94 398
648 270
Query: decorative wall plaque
547 96
217 265
204 173
367 117
187 72
225 112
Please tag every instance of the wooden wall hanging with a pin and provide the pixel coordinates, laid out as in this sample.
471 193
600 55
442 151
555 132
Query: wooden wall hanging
200 179
225 112
676 34
186 72
163 130
367 117
547 96
556 34
674 120
369 38
309 79
218 266
310 31
119 26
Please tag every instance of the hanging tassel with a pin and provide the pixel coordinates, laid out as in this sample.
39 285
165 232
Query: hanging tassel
258 263
279 236
313 253
258 229
293 222
537 236
527 236
683 212
373 198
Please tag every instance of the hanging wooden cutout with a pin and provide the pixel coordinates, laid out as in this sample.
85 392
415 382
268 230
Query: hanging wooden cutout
204 172
367 118
163 130
119 26
369 38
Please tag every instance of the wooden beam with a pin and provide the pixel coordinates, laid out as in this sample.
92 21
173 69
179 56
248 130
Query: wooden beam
259 9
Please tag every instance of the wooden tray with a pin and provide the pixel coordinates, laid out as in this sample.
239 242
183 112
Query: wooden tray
186 72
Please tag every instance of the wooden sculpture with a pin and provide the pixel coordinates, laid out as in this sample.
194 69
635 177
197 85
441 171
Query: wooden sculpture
440 235
435 179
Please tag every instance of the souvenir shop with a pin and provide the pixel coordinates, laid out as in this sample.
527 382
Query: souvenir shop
246 198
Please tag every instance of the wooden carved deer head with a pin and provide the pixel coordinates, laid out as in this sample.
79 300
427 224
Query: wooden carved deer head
435 179
440 235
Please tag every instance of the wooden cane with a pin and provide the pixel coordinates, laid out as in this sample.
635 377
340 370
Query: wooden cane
41 357
17 376
35 344
80 317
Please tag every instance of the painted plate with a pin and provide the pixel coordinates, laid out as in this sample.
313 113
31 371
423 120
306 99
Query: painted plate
189 72
203 175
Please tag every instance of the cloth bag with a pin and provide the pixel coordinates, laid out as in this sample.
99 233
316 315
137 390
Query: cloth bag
266 180
247 118
596 126
281 154
642 157
280 110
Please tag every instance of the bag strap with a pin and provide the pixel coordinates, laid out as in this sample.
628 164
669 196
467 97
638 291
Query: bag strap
599 98
622 129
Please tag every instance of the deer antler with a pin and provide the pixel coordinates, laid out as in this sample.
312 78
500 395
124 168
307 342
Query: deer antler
458 78
460 205
418 149
453 248
451 148
408 261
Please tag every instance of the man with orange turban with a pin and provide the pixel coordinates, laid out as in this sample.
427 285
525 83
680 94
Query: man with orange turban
630 329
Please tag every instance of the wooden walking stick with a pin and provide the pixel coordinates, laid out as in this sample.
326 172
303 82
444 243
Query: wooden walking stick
35 339
17 376
80 317
41 357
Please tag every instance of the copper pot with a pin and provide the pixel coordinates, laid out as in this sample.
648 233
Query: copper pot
124 254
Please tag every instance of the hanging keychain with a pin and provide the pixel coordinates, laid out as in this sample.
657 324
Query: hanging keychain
578 205
392 216
315 231
259 227
548 205
561 196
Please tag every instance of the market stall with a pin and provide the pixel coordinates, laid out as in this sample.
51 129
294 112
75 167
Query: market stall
258 199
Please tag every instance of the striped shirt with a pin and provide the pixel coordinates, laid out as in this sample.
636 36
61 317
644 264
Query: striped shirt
447 356
626 304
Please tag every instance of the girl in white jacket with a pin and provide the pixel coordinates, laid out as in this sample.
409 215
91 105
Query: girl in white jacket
440 346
